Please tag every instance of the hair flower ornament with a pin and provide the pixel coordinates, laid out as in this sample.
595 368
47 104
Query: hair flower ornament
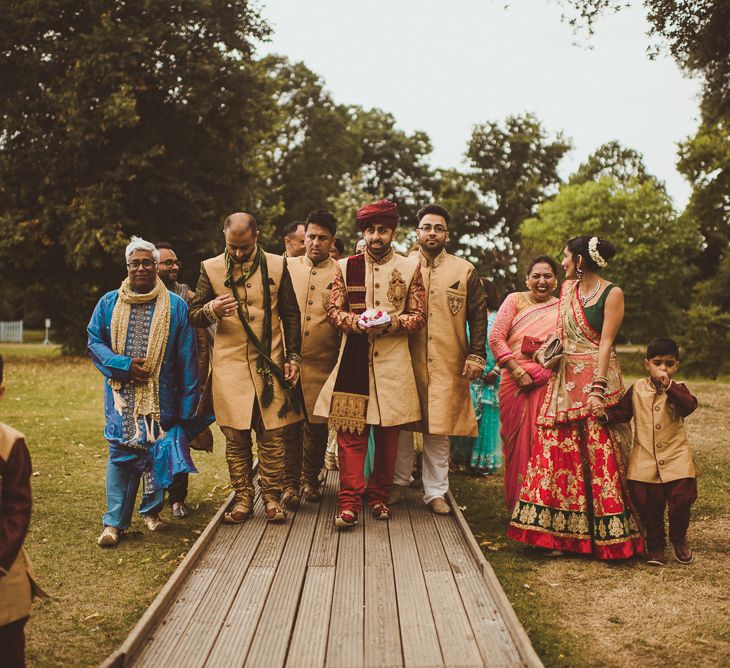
595 255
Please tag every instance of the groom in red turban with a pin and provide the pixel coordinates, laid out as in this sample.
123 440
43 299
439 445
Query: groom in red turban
372 386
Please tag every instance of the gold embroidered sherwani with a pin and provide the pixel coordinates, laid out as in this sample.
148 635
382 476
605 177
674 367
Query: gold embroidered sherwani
306 442
236 385
454 297
393 284
320 341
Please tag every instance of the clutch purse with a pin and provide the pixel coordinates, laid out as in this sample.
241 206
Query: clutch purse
550 353
530 345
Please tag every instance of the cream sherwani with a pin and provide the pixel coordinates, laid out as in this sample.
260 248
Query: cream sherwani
455 297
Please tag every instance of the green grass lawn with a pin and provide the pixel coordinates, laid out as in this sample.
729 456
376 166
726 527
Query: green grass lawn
578 612
581 612
98 595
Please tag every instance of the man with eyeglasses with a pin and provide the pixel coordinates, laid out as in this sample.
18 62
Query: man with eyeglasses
142 343
249 294
446 356
167 269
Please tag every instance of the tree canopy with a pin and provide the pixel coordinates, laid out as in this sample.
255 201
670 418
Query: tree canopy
120 119
652 242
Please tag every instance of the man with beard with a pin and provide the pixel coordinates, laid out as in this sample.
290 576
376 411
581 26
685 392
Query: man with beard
141 341
249 294
446 356
167 269
377 300
312 276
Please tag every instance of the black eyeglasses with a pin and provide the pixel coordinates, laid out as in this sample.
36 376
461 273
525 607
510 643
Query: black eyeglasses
145 264
439 229
169 264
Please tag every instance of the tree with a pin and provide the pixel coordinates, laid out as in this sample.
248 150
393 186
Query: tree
696 33
706 340
392 162
704 160
119 119
652 246
513 168
311 148
470 233
320 147
612 159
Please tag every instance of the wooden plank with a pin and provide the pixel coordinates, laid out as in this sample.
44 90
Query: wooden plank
455 634
345 647
516 630
162 638
270 644
236 635
430 552
138 635
458 644
308 647
494 640
324 544
240 618
193 647
382 634
309 641
417 628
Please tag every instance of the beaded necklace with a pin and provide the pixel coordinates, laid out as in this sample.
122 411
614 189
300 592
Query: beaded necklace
587 298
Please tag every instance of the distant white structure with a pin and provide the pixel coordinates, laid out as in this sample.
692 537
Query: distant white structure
11 331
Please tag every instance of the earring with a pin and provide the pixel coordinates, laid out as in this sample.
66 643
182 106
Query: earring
578 272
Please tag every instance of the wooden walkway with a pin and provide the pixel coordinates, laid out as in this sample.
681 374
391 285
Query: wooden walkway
414 591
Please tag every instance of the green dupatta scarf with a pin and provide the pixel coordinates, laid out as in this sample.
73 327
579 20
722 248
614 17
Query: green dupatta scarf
265 366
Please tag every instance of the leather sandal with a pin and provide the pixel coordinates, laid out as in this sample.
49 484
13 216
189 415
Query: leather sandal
381 512
238 514
290 498
275 513
345 519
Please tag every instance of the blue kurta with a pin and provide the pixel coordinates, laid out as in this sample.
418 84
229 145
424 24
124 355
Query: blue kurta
179 391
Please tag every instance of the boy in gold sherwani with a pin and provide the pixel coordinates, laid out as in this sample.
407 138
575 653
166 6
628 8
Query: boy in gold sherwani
662 472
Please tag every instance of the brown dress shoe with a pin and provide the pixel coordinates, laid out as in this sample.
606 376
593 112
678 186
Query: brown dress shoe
238 514
656 557
397 492
683 552
275 513
439 506
311 494
290 498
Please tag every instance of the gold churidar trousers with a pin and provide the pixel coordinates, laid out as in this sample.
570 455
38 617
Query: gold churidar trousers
239 455
305 445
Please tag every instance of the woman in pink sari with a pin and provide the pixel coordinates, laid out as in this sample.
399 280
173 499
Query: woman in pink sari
524 321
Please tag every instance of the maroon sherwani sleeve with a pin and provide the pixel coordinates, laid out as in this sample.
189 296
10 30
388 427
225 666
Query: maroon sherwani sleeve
623 411
684 402
15 500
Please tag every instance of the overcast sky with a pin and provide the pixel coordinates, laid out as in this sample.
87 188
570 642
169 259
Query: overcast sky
443 67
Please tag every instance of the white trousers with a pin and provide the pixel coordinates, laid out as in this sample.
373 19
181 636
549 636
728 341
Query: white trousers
435 468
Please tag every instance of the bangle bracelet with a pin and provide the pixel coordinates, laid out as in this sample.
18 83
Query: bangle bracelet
517 373
602 397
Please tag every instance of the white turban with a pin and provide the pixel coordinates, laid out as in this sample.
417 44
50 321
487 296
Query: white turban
139 244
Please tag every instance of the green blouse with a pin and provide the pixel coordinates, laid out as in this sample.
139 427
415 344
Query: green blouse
594 313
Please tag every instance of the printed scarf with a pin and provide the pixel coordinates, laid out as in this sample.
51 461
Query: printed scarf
349 408
146 395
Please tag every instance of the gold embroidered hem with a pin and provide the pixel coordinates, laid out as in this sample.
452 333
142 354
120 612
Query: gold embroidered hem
348 412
